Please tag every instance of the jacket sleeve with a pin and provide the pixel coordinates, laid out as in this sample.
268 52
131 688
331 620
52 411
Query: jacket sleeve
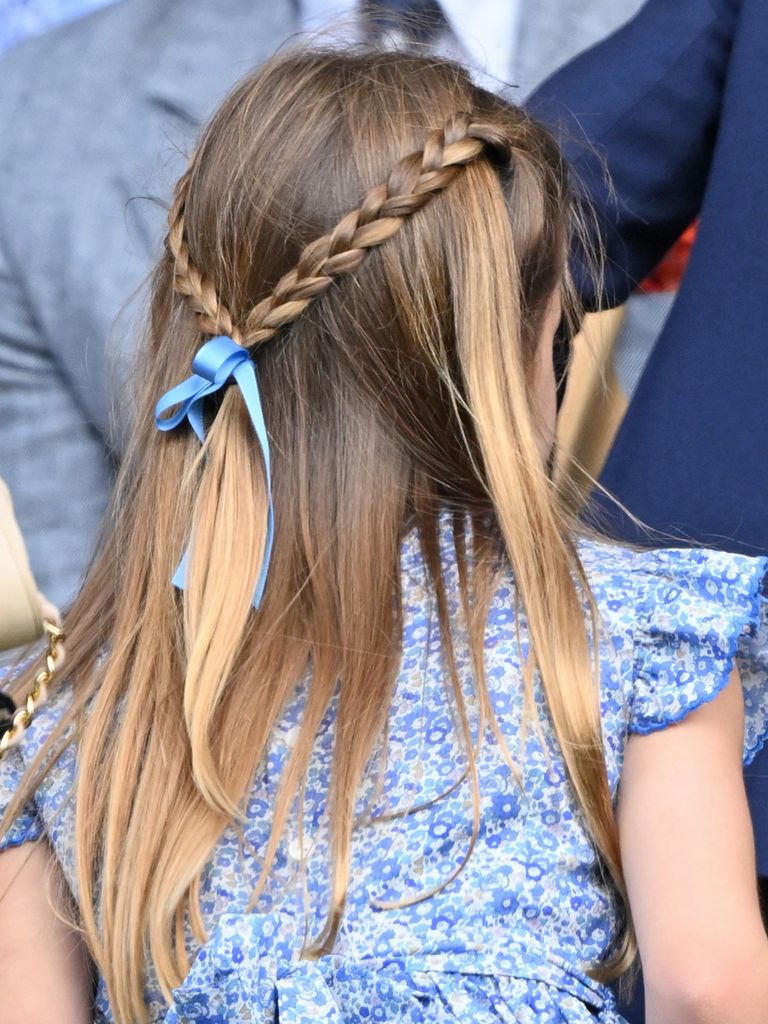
52 447
637 116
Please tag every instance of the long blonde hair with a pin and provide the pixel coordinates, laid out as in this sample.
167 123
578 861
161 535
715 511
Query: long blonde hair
385 238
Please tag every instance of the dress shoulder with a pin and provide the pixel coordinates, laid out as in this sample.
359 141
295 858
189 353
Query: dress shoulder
698 614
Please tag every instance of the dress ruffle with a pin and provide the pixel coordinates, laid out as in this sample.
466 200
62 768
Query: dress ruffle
699 614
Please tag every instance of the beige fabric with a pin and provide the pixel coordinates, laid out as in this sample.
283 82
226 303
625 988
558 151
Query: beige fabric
20 613
594 403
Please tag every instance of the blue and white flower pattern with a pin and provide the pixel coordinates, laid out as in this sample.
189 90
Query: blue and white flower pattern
511 937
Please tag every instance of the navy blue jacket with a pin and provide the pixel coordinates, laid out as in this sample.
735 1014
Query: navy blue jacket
675 106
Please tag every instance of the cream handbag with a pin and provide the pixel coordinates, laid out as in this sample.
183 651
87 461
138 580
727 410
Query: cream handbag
21 616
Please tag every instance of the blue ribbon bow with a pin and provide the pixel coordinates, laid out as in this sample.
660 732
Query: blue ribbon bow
216 362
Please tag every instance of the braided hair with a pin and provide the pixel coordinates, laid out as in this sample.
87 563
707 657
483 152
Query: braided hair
414 181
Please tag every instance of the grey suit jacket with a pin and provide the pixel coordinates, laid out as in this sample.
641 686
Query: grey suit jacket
95 119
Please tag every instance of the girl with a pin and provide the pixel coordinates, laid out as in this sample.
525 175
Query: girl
361 762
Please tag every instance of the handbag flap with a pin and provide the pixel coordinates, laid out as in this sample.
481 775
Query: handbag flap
21 619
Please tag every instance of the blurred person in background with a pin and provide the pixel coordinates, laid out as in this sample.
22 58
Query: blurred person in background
22 18
673 108
105 117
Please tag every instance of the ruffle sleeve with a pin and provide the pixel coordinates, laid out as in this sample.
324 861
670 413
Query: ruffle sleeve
27 826
698 613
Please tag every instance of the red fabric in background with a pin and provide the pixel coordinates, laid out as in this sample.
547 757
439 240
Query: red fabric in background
667 276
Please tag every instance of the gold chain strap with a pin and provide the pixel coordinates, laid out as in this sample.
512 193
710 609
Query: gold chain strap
39 692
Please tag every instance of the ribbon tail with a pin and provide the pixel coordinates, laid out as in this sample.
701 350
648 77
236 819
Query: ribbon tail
248 381
180 576
261 583
195 417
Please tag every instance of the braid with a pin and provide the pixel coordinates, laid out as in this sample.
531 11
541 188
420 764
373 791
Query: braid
213 317
413 182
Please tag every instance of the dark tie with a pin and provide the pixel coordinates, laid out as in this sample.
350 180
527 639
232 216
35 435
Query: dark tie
415 21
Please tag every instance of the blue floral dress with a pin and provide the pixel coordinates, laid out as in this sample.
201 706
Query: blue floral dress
511 938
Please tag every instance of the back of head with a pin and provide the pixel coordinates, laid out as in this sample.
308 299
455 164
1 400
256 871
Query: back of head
316 226
384 238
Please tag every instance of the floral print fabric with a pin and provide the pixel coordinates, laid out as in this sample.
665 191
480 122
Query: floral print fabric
511 937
